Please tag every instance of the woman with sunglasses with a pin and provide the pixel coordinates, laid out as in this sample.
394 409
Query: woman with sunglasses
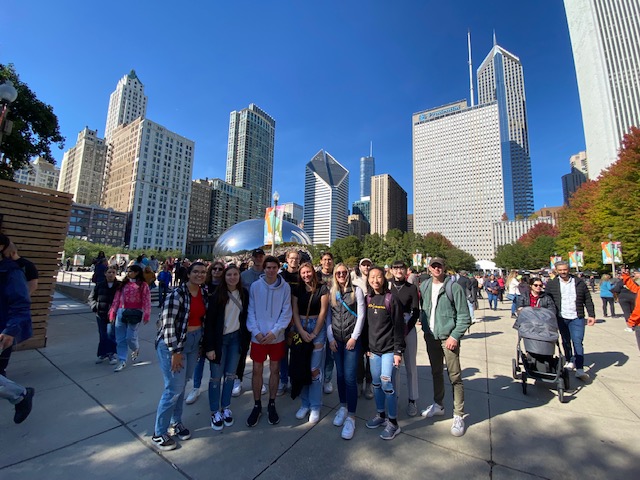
133 294
177 346
214 278
310 303
536 298
224 328
348 312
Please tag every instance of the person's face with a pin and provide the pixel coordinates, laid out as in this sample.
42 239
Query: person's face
198 275
341 275
399 273
437 270
563 271
271 271
258 260
110 275
216 271
131 274
327 263
232 277
364 268
492 278
306 274
376 280
536 287
293 260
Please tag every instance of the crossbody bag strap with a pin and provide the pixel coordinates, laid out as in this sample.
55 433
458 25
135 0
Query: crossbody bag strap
236 301
308 309
339 298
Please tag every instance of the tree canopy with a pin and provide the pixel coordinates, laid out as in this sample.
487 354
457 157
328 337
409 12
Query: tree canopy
35 128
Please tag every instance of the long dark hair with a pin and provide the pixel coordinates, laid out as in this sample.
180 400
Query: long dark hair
385 283
222 292
138 278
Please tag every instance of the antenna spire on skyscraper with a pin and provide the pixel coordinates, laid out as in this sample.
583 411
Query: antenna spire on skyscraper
371 149
495 42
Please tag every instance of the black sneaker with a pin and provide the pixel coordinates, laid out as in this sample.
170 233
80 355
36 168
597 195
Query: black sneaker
164 442
254 417
23 408
180 431
274 418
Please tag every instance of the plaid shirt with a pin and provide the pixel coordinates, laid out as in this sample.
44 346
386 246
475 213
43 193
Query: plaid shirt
174 319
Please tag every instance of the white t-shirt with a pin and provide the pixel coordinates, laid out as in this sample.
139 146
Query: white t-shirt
232 314
568 295
435 291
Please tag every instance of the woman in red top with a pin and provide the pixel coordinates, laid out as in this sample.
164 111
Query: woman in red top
131 305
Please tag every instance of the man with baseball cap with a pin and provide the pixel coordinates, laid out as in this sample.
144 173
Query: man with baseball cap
359 278
444 322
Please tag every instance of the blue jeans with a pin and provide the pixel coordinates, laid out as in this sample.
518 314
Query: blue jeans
572 333
162 293
199 371
107 334
493 300
346 374
126 337
311 395
513 304
383 374
172 399
227 366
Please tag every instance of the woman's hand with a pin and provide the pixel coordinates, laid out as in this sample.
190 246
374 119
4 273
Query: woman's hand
397 360
351 344
333 346
176 362
211 355
306 336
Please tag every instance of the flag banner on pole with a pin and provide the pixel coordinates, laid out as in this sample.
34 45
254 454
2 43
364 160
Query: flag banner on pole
273 223
611 250
553 260
417 259
426 261
576 258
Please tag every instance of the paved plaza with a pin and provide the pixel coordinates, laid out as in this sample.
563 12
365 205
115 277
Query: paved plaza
89 422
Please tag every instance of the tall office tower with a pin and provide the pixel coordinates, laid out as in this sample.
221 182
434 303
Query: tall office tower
199 209
82 169
250 155
410 222
229 205
39 173
326 197
362 207
462 177
126 103
388 205
605 35
579 161
571 183
293 212
358 226
367 170
500 79
148 175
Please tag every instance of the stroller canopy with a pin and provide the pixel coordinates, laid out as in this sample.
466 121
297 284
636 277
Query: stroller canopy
537 324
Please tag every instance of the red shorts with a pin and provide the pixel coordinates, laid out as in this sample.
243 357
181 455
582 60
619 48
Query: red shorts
259 352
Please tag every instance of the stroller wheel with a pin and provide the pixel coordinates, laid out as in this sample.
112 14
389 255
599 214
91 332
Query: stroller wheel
516 369
561 390
565 378
524 382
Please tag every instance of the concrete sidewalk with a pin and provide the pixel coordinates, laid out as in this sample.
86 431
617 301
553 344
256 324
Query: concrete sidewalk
89 422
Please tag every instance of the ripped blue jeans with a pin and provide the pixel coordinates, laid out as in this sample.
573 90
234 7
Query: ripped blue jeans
311 395
383 375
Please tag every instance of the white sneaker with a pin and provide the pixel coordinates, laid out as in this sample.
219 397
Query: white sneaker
569 366
341 415
263 390
582 375
314 416
121 366
302 412
193 396
628 329
348 429
433 410
328 387
476 320
457 429
237 388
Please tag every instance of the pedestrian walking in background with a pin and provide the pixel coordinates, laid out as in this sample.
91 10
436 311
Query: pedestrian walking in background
492 288
165 282
626 298
607 295
100 301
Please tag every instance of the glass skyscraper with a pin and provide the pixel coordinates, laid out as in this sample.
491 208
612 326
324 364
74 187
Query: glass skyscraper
367 170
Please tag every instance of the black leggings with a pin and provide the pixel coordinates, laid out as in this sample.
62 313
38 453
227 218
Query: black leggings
608 301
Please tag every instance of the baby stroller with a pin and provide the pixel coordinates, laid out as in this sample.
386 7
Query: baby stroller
538 332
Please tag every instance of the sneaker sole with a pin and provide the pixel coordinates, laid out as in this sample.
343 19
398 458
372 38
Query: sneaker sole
257 421
164 448
229 424
395 434
274 423
373 427
217 428
434 414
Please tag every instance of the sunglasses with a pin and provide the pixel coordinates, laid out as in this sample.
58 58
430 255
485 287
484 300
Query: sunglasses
536 285
341 274
436 265
217 269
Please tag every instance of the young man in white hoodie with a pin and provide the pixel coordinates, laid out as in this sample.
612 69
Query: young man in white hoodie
269 315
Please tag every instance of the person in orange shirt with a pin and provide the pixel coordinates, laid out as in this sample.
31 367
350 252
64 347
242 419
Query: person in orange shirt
631 282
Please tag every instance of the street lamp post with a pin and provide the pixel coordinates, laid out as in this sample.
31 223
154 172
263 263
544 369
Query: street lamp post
276 197
8 94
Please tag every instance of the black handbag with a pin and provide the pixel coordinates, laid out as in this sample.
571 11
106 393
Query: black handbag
131 316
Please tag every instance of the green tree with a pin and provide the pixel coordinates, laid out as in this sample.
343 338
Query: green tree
35 128
373 248
344 248
512 255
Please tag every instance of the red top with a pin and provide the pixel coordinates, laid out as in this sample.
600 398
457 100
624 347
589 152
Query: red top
197 310
533 300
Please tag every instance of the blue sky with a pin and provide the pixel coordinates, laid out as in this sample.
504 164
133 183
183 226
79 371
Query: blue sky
335 75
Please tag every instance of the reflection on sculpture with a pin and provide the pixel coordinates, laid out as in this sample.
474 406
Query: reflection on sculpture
247 235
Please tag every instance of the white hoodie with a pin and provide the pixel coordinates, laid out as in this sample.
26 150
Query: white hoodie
269 308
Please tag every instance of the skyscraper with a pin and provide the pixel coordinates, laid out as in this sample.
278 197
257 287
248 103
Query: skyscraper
580 161
605 35
367 170
500 79
39 173
250 155
148 174
326 197
126 103
82 169
388 205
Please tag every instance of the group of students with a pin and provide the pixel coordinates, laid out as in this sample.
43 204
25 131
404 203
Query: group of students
223 315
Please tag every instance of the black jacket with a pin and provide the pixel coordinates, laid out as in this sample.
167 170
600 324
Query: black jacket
386 325
545 301
214 326
583 297
101 298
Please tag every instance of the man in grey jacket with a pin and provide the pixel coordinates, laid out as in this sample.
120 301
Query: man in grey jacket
445 317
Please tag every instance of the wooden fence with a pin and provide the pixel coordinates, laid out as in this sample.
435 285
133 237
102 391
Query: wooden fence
36 219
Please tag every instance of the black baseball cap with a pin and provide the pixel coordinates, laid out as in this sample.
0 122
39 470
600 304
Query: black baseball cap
256 252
